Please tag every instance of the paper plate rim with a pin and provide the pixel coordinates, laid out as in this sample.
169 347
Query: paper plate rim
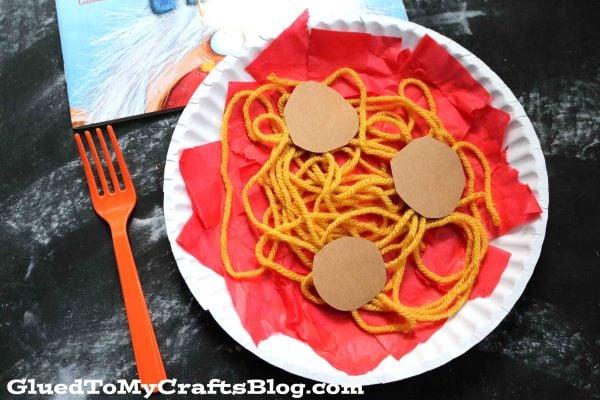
474 321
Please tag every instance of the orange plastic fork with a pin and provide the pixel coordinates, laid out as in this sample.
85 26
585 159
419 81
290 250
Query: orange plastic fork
114 205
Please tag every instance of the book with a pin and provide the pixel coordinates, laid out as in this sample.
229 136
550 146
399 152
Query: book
129 58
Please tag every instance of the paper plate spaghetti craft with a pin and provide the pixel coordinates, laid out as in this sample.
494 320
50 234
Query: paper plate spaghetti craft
355 214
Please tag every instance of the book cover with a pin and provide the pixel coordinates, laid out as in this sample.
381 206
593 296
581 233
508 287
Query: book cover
128 58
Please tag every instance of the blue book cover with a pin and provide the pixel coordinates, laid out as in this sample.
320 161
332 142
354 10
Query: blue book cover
128 58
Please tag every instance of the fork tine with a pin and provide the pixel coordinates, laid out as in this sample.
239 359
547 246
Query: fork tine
97 162
108 159
122 166
87 169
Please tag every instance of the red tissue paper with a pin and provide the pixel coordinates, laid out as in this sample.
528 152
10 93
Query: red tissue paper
272 304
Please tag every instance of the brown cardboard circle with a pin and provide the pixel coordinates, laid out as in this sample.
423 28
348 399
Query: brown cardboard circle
348 273
318 118
429 177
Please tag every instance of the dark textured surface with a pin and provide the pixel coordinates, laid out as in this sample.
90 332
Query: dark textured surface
61 313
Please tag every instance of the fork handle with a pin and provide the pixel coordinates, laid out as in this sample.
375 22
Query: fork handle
145 347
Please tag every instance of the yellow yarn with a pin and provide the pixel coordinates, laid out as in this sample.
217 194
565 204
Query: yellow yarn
316 198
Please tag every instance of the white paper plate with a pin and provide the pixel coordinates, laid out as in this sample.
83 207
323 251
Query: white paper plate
200 123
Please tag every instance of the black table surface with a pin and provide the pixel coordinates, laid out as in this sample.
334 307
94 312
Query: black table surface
61 311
